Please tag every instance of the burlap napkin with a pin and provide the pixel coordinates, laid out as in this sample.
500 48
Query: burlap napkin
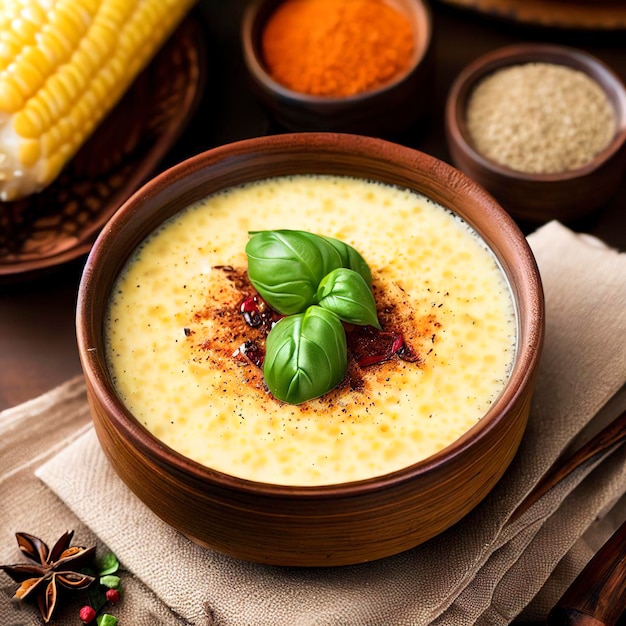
483 571
29 435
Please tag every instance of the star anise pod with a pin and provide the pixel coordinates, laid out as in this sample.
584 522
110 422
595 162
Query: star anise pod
59 566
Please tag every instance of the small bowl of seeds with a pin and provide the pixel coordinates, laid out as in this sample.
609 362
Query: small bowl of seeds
542 128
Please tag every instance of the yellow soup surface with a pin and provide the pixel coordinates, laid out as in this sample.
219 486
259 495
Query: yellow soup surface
174 332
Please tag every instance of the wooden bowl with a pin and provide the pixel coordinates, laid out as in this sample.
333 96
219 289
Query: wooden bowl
567 196
326 525
385 111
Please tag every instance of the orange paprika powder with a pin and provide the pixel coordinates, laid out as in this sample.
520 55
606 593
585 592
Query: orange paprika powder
336 47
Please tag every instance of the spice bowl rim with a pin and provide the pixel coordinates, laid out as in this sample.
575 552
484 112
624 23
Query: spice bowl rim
517 54
127 443
385 111
254 59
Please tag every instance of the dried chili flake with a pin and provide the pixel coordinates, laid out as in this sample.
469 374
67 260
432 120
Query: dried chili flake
250 351
370 346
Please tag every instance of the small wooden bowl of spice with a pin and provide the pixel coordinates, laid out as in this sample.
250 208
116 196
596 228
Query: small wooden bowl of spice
542 127
359 66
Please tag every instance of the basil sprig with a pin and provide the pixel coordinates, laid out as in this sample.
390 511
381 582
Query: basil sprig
317 282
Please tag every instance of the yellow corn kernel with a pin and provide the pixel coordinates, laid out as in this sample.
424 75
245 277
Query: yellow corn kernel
58 91
87 7
35 14
91 54
60 29
72 80
24 29
27 124
33 120
11 97
51 141
10 37
8 53
63 65
103 39
81 114
47 99
67 129
116 13
27 76
99 86
56 50
33 55
68 21
82 62
30 151
75 10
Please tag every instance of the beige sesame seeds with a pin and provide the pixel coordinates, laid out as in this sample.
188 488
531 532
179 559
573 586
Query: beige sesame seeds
540 118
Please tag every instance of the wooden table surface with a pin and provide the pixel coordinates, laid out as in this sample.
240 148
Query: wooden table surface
37 339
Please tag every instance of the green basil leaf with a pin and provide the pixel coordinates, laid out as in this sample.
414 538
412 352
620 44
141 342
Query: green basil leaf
106 619
286 267
306 355
111 581
351 259
108 564
347 295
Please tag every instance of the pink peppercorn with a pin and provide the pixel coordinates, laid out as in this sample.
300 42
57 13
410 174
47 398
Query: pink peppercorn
87 614
113 596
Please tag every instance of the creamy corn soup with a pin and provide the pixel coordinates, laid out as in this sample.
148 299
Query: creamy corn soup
178 344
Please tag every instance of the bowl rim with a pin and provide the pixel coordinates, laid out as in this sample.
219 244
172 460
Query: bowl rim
99 383
516 54
256 67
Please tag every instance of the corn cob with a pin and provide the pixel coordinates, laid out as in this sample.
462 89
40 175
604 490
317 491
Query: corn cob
63 65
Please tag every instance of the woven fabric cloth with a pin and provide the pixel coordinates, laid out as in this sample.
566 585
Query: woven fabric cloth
485 570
